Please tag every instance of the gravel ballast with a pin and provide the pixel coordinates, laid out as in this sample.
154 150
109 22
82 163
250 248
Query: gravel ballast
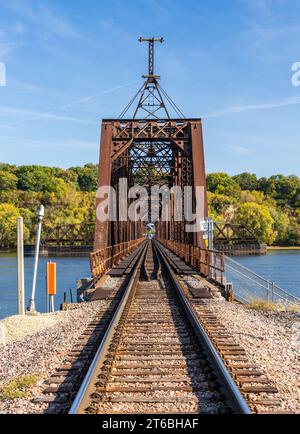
18 327
38 345
271 341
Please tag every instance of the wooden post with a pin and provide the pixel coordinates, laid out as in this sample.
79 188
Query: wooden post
20 250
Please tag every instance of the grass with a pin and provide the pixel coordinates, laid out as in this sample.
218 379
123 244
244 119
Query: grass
18 388
262 305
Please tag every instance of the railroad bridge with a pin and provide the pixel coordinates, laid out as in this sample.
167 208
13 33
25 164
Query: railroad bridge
150 149
157 146
78 240
156 344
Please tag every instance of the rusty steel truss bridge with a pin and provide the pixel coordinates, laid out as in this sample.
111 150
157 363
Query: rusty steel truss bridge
150 143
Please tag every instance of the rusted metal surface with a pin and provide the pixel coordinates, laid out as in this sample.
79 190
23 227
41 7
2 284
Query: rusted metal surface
147 153
236 239
70 234
234 233
102 237
156 149
209 263
104 259
199 173
231 239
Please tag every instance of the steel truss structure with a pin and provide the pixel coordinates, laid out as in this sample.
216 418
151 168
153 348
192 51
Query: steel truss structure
150 152
153 149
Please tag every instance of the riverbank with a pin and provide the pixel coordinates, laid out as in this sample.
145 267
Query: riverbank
283 247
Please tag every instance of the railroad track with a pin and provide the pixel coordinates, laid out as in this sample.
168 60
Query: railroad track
154 356
157 349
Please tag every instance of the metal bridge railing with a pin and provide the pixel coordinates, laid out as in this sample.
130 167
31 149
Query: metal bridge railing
103 260
209 263
249 286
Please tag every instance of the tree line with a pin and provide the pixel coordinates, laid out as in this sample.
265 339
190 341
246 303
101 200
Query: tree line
68 196
268 206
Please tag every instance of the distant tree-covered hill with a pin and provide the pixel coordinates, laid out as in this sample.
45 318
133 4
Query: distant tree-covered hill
270 206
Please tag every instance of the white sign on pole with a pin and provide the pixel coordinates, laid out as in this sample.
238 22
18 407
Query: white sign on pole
203 225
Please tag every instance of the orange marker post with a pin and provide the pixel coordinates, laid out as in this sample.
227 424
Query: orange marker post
51 283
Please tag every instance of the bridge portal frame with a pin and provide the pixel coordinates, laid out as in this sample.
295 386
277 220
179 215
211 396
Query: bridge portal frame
117 137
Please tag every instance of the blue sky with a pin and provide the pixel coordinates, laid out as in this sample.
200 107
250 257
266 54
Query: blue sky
71 63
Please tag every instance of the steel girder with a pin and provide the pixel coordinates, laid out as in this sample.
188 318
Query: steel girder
147 152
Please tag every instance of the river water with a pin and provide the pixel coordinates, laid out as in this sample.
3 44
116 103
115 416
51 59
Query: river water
69 269
280 266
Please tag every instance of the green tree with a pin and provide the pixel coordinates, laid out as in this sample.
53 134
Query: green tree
41 179
222 183
34 178
285 189
220 205
8 181
258 218
247 181
87 177
293 232
11 168
281 225
252 196
8 224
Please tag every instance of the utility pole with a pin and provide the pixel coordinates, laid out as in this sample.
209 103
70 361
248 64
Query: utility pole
31 306
20 254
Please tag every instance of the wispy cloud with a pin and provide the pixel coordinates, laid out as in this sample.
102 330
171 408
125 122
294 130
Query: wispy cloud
240 150
261 106
6 49
261 7
43 17
30 115
36 115
37 142
90 97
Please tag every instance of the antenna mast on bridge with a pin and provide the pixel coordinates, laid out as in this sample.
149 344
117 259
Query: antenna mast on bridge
151 101
151 55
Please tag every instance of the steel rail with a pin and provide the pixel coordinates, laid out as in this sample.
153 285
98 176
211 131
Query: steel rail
230 389
82 400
